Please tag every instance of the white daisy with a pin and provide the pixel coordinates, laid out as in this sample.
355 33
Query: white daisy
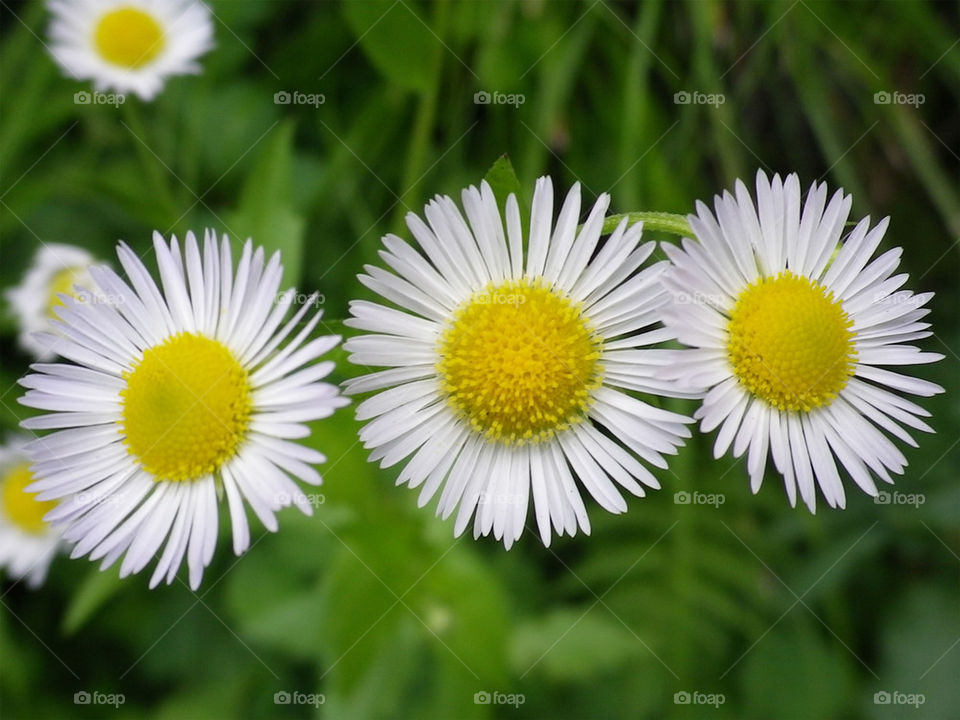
129 45
27 543
176 398
56 269
789 328
508 365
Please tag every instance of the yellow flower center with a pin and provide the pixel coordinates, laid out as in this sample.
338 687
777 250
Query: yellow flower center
518 361
790 342
128 37
62 283
186 407
21 507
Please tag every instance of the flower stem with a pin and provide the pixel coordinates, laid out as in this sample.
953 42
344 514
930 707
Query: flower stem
152 165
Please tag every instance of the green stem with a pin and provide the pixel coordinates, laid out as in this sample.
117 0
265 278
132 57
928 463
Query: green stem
150 162
662 221
424 122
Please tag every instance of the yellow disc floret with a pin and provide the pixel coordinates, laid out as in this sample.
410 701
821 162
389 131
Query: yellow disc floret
21 507
519 361
128 37
790 342
186 407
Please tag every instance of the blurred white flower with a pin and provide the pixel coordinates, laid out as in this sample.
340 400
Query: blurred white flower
56 269
28 544
129 45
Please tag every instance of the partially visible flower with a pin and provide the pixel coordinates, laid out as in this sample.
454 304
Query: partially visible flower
177 399
129 45
512 363
788 329
56 269
28 543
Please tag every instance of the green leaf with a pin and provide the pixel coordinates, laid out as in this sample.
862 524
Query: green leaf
797 652
917 655
503 180
358 599
273 596
90 596
572 645
395 39
220 698
266 212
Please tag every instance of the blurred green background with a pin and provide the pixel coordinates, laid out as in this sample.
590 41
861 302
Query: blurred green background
373 603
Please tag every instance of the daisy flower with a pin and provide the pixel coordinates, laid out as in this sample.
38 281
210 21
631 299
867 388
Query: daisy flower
788 328
509 363
55 270
129 45
27 543
175 399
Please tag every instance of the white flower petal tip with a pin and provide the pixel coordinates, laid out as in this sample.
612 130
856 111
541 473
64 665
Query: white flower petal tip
178 394
511 363
128 46
787 322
